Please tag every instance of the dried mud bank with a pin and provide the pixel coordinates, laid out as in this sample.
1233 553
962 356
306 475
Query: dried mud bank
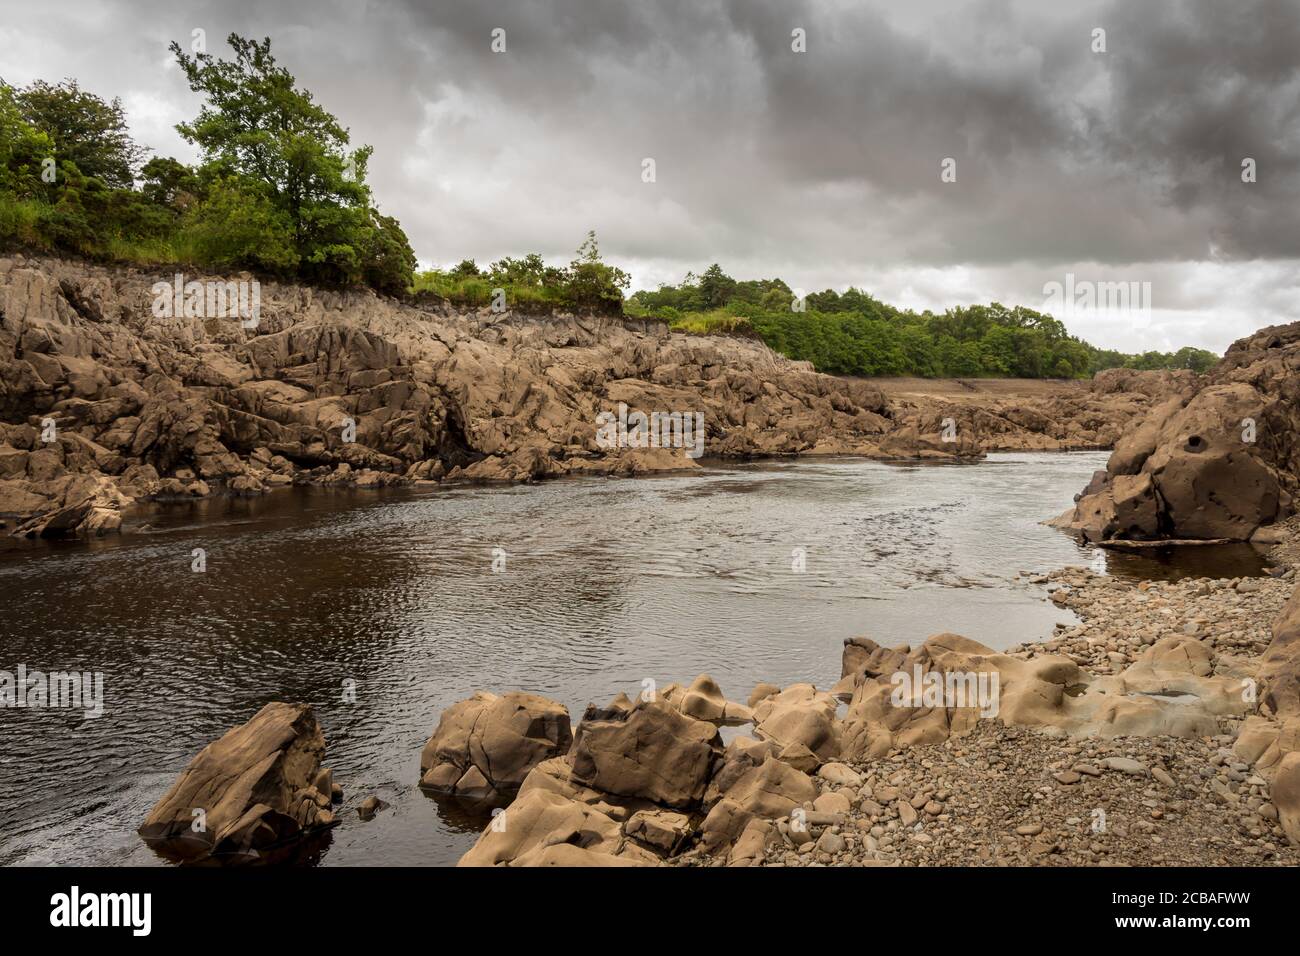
105 404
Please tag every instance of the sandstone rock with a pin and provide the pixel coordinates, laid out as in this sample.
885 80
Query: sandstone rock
803 716
546 829
770 791
1279 671
434 394
1286 795
842 775
1199 467
246 793
760 692
369 807
651 751
484 747
1168 690
664 830
704 700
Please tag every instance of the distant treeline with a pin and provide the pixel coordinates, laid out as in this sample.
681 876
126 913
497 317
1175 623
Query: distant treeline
852 333
279 191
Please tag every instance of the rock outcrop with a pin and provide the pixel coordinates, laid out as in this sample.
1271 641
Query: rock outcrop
1279 672
252 792
644 779
1039 415
103 403
1218 460
944 687
649 750
1271 740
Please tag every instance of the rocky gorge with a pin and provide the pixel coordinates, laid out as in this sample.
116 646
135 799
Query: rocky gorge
106 407
1162 728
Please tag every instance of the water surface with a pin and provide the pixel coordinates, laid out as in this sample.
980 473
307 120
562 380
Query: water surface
607 583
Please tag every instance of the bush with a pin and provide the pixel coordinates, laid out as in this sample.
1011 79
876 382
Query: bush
238 229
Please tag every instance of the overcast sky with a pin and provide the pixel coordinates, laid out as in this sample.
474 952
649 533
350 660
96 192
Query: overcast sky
822 167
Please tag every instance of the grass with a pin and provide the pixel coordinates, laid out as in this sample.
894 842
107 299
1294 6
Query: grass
18 221
20 228
478 291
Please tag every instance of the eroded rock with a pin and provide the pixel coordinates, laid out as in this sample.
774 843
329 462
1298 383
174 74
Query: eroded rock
252 791
484 747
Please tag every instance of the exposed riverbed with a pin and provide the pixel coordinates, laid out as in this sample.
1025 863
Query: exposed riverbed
606 584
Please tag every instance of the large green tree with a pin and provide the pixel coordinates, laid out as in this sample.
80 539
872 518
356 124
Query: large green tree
86 130
285 155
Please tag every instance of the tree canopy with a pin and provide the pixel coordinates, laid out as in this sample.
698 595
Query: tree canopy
277 189
852 333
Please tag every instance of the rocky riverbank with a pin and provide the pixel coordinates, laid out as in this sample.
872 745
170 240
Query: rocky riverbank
105 404
1162 729
1007 795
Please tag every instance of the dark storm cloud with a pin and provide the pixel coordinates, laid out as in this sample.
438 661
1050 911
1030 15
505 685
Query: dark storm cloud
820 166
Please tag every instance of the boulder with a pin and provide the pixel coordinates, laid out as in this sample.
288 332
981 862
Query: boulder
769 791
485 746
650 751
1218 460
800 716
1279 669
1285 794
246 794
541 828
704 700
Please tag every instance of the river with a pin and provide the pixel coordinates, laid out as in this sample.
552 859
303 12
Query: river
599 584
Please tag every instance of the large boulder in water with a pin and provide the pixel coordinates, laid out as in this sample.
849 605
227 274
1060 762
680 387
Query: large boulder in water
484 747
258 787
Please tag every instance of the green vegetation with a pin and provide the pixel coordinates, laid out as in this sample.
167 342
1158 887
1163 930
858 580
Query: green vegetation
277 189
851 333
588 284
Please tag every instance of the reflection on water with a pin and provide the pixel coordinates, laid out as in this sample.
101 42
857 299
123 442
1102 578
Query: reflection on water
1172 564
607 582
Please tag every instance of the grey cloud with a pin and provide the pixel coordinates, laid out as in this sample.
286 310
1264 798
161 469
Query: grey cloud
822 167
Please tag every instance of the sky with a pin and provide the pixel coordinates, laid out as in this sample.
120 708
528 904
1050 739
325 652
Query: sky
1076 156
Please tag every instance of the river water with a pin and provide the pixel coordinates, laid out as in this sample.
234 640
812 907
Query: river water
599 585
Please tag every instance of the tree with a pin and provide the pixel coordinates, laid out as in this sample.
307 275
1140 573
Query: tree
22 147
716 287
170 183
273 143
594 284
85 130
